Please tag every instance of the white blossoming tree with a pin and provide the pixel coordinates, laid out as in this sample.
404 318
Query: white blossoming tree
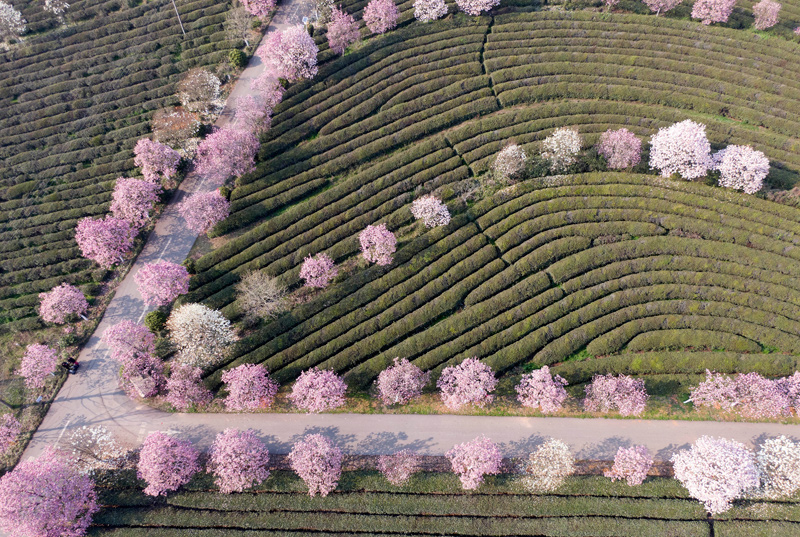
201 335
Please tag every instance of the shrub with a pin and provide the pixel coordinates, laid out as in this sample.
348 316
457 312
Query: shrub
155 321
237 58
473 460
469 383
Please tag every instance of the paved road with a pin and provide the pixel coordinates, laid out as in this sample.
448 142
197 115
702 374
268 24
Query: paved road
93 397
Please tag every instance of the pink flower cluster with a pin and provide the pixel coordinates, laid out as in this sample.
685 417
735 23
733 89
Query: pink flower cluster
104 241
268 88
431 211
710 11
378 244
249 387
60 302
227 152
252 115
398 468
134 346
318 462
380 16
681 148
540 389
662 6
133 199
291 52
625 394
318 271
185 388
741 167
38 362
10 427
204 210
402 382
161 283
621 148
155 158
471 461
766 13
259 8
166 463
749 395
469 383
317 390
631 464
476 7
342 31
238 460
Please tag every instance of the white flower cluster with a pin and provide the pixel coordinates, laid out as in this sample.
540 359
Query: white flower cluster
429 10
431 211
561 148
681 148
548 467
741 167
779 464
12 25
509 163
202 335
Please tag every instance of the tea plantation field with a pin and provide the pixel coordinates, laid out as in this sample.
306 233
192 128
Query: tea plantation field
578 265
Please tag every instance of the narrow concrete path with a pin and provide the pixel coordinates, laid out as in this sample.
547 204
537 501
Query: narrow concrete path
92 397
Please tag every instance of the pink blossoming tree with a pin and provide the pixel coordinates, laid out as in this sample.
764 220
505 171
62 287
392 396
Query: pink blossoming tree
156 159
741 167
429 10
399 468
269 89
166 463
252 115
238 460
766 13
431 211
476 7
318 462
380 16
162 282
469 383
259 8
204 210
46 497
716 471
318 271
292 53
662 6
104 241
539 389
378 244
10 427
249 387
61 302
402 382
227 152
625 394
134 346
317 390
711 11
133 199
631 464
621 148
681 148
471 461
342 31
38 362
185 388
749 395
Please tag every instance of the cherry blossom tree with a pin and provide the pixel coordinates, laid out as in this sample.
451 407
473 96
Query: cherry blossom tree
95 448
134 346
476 7
46 497
621 148
10 427
471 461
260 296
509 163
561 148
238 460
766 13
204 210
174 126
429 10
318 271
797 31
318 462
625 394
431 211
716 471
778 462
198 89
469 383
202 336
252 115
268 89
12 25
166 463
292 53
317 390
61 302
38 362
380 16
681 148
378 244
162 282
750 395
610 4
249 387
399 468
56 7
662 6
133 199
741 167
711 11
155 158
185 388
539 389
548 467
342 31
402 382
631 464
259 8
104 241
227 152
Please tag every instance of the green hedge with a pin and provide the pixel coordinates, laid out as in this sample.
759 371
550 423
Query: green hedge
685 338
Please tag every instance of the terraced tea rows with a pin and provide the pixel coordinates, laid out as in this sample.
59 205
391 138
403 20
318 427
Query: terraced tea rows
76 100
